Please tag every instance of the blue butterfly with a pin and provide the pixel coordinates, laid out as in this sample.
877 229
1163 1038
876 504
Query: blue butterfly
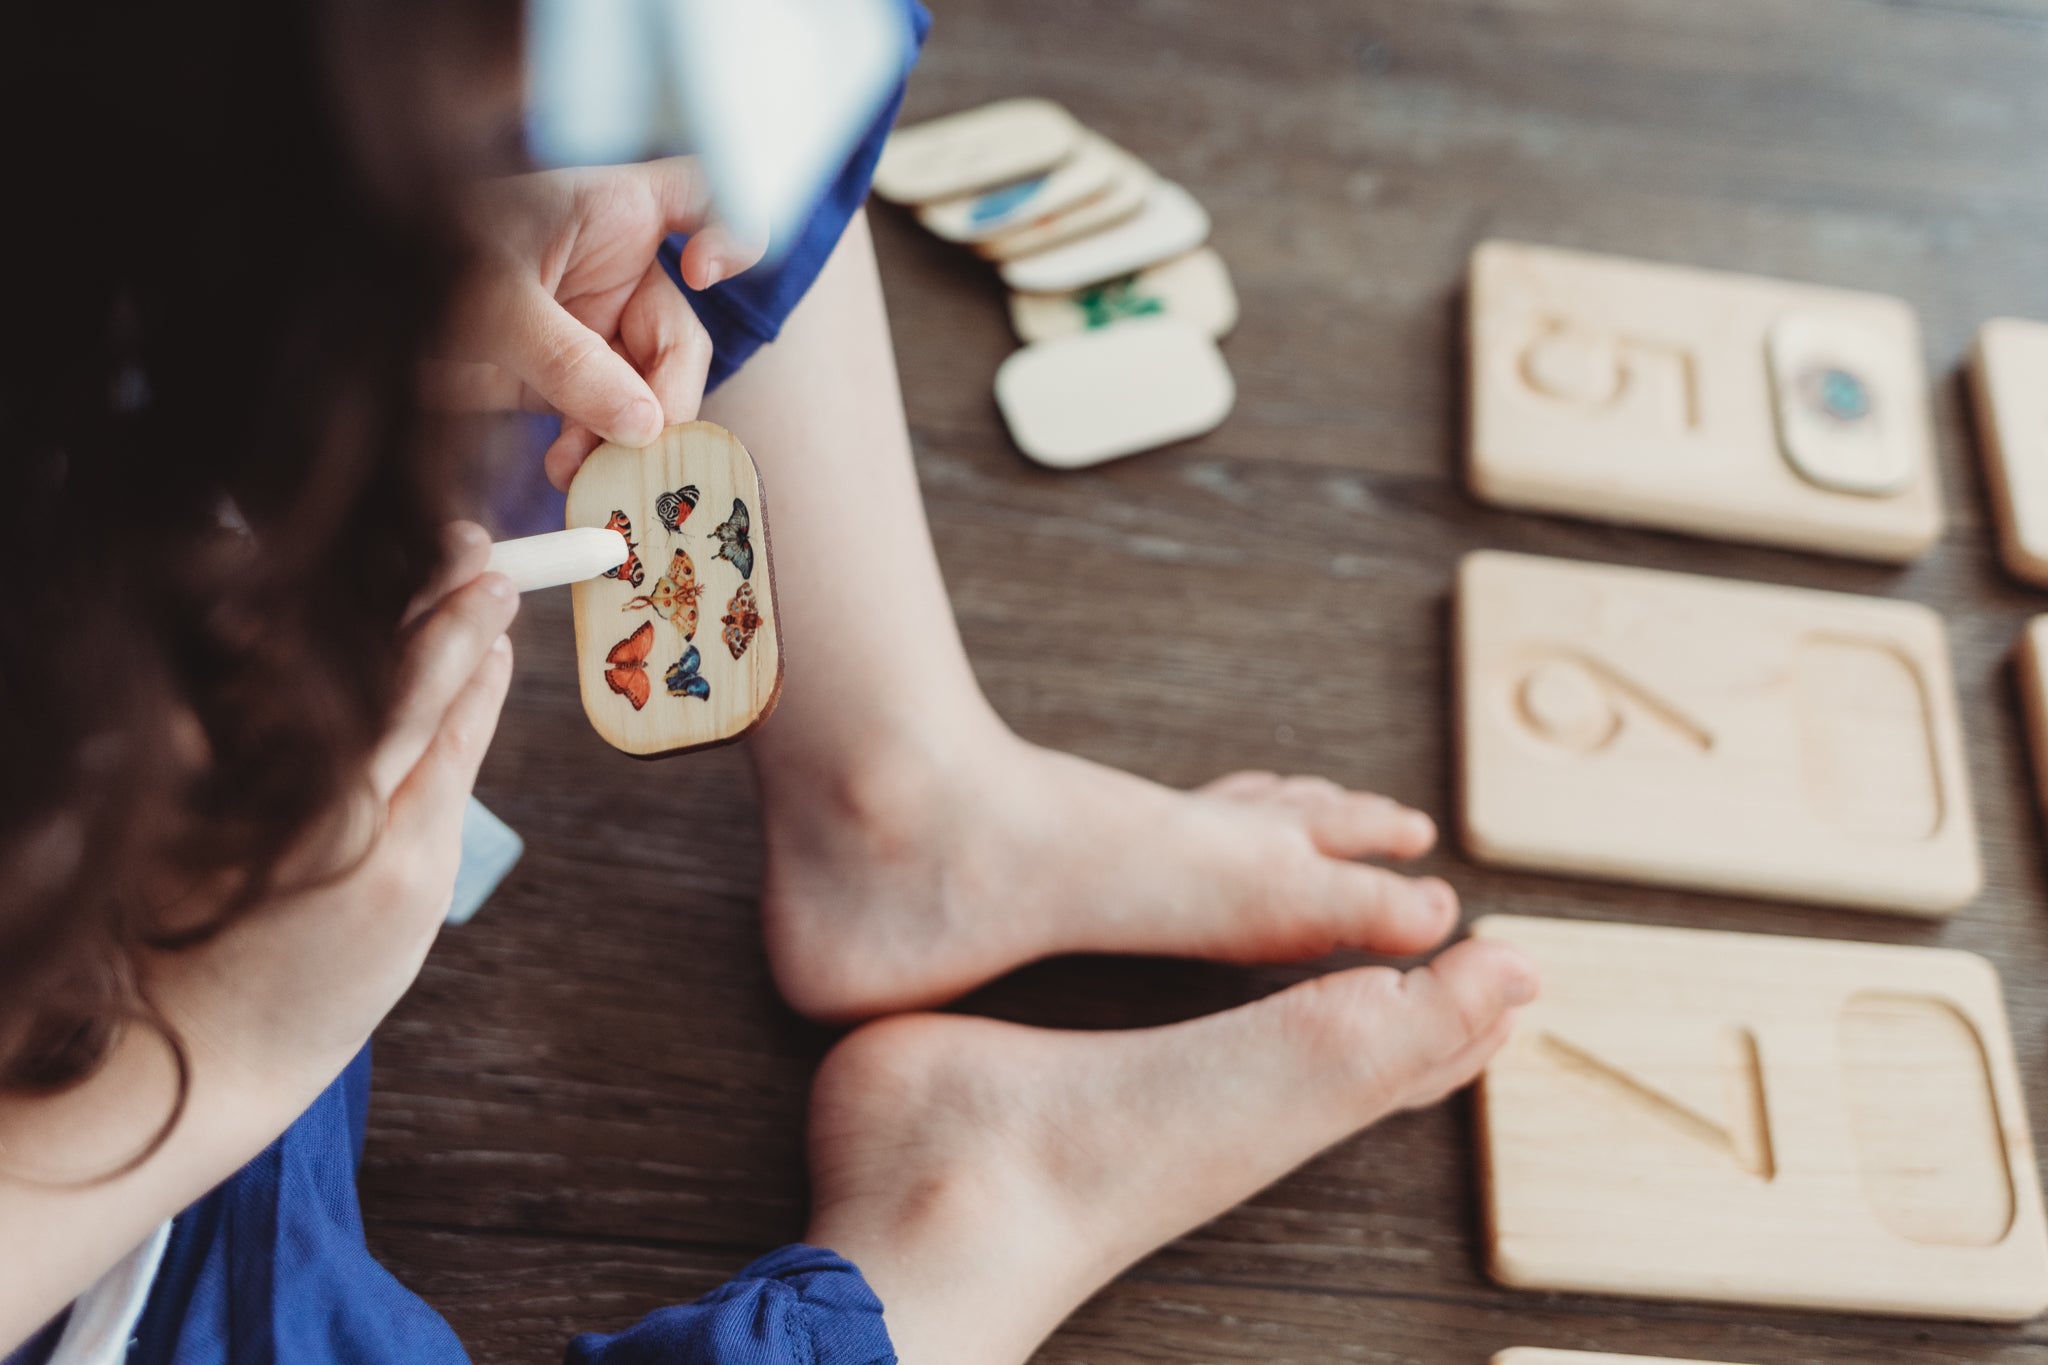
683 678
734 539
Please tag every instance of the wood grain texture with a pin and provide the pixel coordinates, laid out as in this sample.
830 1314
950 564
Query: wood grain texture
592 1104
1761 1119
1527 1355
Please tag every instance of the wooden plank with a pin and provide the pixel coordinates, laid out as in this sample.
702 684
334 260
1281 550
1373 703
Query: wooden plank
593 1098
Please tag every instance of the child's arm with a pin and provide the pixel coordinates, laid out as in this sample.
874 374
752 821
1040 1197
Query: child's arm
269 1011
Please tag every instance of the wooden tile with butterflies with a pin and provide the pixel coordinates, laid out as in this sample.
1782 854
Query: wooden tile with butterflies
679 647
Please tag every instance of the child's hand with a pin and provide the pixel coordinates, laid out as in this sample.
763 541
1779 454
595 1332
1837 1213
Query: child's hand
569 311
286 995
273 1007
987 1178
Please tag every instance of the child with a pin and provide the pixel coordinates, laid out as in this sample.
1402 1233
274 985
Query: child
246 680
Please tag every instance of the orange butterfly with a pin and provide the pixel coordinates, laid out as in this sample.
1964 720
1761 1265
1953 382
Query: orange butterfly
742 618
627 674
630 571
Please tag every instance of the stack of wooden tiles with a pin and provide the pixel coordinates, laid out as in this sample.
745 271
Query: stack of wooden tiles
1114 292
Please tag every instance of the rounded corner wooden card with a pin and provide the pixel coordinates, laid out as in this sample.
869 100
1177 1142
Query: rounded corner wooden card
680 647
1701 401
1748 1118
974 149
1746 738
970 218
1169 223
1093 396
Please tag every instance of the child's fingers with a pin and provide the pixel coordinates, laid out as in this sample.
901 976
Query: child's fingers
427 806
716 250
574 368
568 452
465 550
666 343
446 647
720 252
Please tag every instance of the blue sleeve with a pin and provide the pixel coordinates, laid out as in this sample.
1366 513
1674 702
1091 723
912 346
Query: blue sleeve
798 1306
271 1269
746 312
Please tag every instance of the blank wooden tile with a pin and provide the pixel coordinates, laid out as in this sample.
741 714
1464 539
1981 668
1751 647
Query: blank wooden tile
1169 224
975 149
1719 404
1533 1355
2009 382
681 647
1094 396
1756 1119
1693 731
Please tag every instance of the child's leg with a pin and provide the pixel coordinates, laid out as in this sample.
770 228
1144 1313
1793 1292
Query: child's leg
916 847
987 1178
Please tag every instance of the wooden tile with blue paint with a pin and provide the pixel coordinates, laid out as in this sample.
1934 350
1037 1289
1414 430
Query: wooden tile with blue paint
1096 163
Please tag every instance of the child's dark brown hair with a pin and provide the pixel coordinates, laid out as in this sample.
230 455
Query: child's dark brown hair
232 252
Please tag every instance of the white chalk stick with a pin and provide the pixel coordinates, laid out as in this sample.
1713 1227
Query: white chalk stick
558 557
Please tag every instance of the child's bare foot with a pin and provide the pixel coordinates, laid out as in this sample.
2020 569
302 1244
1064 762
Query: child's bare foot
987 1178
935 877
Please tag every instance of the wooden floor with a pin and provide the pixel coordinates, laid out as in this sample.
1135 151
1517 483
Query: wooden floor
593 1103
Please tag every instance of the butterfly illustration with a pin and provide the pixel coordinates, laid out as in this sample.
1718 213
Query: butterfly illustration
627 670
675 596
630 571
742 618
674 508
683 678
734 537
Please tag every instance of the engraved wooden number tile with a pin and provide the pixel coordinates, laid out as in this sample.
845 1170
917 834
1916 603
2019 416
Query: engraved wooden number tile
2031 666
1691 731
1755 1119
1724 405
2009 381
680 647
